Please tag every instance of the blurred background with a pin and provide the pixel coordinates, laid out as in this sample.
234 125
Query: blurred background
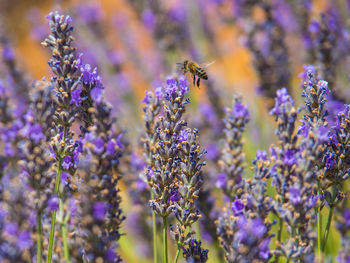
258 47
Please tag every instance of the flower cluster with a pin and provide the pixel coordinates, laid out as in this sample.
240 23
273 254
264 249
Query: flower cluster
266 41
174 171
66 162
232 157
100 200
328 33
295 187
244 231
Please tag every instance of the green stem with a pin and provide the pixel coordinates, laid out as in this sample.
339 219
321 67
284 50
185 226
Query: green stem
57 187
165 241
329 220
39 233
52 235
64 235
319 242
279 236
154 227
198 230
177 254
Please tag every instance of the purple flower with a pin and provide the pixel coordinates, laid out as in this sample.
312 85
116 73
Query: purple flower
261 155
99 145
264 249
75 96
183 136
208 112
87 76
175 196
240 111
11 132
289 157
35 133
323 134
146 98
110 148
2 88
294 196
141 185
8 150
149 19
324 86
72 207
237 207
96 94
90 12
111 255
314 27
171 86
258 227
8 53
159 92
303 129
183 84
281 98
99 210
314 200
53 203
221 180
64 177
177 13
24 240
11 228
119 141
347 217
78 148
250 227
213 151
137 162
330 160
67 162
273 153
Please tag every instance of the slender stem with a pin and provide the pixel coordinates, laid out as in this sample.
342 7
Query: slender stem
39 231
57 187
329 220
165 241
154 227
64 235
52 235
279 236
319 237
198 230
177 254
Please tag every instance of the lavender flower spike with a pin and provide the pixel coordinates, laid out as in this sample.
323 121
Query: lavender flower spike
63 64
232 157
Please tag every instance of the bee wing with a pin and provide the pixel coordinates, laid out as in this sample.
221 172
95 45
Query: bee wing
206 64
179 66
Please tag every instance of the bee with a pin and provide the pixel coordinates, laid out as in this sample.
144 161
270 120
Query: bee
195 69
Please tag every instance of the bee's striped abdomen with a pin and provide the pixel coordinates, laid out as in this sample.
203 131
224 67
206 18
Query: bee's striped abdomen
201 73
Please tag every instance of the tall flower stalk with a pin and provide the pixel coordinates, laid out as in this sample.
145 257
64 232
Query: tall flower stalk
174 174
151 110
66 83
232 156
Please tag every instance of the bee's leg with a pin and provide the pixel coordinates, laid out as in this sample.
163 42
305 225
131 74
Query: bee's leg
194 80
198 81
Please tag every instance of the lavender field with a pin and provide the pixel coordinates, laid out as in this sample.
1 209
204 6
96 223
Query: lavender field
174 131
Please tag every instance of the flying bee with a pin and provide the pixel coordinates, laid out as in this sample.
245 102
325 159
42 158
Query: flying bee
195 69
